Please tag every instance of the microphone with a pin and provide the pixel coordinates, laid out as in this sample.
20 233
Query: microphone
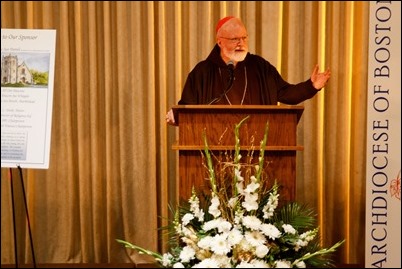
231 73
230 66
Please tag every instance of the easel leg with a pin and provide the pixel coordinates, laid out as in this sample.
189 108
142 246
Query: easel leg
27 215
13 207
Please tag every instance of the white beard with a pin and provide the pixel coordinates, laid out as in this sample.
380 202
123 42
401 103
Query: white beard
237 56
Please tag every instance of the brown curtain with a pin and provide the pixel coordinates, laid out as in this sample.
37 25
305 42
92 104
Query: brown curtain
119 68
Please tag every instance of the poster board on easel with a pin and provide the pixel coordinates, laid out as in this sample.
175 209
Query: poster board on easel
27 79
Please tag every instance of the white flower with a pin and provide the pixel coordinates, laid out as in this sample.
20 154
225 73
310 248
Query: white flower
223 226
195 207
200 215
282 264
214 207
210 225
250 201
252 187
187 254
299 244
234 237
271 205
268 211
252 222
205 242
255 238
270 230
288 229
261 251
238 174
220 245
239 186
187 218
309 235
305 238
167 259
300 264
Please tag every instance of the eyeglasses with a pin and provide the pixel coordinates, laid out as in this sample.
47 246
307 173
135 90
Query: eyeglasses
236 40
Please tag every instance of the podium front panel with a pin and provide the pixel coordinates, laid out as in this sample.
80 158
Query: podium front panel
279 166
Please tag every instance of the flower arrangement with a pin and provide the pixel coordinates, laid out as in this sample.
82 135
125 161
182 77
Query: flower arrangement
241 225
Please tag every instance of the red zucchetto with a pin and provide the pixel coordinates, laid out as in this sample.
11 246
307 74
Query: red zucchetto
222 22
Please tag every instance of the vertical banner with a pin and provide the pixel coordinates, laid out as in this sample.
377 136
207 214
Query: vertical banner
27 71
383 174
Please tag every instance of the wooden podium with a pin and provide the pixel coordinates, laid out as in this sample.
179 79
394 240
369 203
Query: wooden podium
219 123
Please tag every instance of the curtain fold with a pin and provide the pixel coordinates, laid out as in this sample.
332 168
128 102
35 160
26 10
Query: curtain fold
121 65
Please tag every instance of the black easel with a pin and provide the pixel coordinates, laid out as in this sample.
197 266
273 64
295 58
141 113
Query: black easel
27 215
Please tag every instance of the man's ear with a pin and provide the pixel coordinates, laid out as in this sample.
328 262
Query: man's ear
219 42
